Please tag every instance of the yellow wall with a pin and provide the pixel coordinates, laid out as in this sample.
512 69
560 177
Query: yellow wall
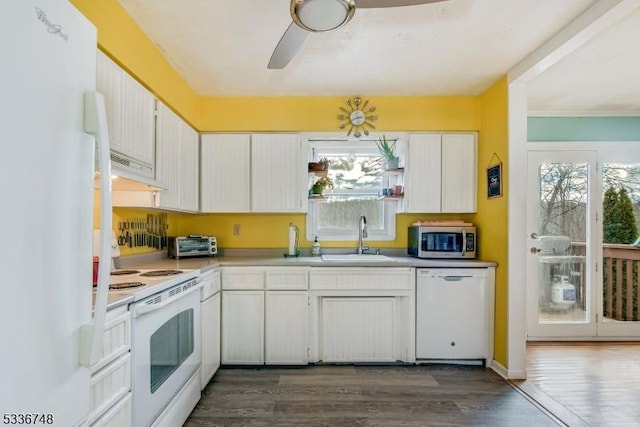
395 113
271 230
492 216
120 37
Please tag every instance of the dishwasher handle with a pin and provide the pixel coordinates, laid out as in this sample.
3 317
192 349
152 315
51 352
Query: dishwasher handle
452 275
455 278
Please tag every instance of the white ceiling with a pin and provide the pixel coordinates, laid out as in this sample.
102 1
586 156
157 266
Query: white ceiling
457 47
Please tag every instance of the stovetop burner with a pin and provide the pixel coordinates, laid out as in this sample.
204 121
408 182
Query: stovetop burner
125 285
124 272
157 273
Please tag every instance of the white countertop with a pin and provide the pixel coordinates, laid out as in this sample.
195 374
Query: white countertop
159 260
204 263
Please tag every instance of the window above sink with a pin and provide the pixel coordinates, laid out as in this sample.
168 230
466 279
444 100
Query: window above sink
359 180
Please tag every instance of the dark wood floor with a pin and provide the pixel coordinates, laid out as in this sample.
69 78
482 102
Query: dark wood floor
586 384
434 395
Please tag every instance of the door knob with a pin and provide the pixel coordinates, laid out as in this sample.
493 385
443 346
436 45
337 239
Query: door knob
535 250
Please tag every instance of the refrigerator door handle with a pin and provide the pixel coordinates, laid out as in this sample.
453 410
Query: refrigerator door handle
95 123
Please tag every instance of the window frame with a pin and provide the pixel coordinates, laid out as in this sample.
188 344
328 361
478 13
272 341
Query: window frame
391 206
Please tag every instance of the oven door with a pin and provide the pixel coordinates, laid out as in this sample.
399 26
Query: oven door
166 349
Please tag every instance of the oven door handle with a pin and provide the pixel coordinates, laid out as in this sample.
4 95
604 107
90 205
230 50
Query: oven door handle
144 308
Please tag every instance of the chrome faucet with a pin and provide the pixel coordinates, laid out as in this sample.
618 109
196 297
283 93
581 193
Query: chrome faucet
362 233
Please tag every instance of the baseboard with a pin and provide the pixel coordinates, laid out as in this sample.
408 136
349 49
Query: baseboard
507 374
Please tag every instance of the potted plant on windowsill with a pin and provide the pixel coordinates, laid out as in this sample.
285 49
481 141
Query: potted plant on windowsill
388 152
318 187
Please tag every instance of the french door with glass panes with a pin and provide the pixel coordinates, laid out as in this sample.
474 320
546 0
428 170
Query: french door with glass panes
582 267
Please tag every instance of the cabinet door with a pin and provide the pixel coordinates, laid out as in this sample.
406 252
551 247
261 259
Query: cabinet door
286 327
130 111
210 338
189 171
138 127
278 173
423 174
109 82
358 329
459 173
225 174
243 327
168 157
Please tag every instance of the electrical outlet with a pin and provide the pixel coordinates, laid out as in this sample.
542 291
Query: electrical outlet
236 229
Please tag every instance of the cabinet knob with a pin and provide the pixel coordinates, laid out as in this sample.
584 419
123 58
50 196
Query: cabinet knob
453 343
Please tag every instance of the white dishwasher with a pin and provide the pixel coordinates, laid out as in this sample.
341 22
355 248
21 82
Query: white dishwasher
452 315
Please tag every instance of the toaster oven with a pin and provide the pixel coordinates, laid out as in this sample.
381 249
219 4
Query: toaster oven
191 246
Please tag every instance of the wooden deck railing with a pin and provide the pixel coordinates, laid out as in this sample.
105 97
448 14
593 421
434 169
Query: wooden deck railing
621 279
621 276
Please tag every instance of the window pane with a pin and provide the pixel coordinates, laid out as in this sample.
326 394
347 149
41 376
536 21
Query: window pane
355 173
343 214
620 229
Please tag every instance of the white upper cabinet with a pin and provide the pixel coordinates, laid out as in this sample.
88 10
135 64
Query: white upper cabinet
278 173
168 157
130 112
176 161
441 173
423 173
190 172
459 172
225 178
253 173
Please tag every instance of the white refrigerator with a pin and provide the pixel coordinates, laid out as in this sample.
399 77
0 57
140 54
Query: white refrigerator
48 66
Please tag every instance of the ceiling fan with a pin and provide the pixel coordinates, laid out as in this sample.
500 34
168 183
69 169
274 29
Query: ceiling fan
323 15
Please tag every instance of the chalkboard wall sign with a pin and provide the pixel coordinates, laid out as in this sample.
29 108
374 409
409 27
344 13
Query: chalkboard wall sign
494 178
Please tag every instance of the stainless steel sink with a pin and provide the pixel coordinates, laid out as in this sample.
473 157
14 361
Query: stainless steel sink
357 258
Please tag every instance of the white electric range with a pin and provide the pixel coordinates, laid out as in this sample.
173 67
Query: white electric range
143 283
166 347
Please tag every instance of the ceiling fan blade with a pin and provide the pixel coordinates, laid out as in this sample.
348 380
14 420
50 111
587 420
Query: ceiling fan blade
290 43
367 4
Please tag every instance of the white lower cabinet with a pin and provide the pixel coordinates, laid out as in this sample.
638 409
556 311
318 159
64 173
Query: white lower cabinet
242 327
119 415
362 314
111 375
265 315
210 312
286 323
359 329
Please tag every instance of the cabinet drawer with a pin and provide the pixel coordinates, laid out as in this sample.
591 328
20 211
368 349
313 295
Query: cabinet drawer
289 279
210 283
119 415
116 339
243 279
109 385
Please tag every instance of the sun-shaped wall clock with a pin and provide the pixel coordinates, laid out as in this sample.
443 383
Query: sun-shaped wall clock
357 117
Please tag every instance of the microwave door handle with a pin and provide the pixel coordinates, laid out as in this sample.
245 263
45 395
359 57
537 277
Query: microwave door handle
464 242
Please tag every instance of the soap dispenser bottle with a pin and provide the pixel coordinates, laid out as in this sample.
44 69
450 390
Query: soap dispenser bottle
315 248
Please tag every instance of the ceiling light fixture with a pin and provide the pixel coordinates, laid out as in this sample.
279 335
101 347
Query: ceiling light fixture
322 15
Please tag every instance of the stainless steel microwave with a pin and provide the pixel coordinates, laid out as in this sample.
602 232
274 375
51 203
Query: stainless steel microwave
449 242
192 245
